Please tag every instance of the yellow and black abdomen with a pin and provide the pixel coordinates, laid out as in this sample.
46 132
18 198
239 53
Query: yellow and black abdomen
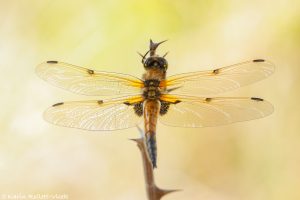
151 111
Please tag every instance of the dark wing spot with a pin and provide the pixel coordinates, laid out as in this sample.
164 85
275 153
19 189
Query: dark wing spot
164 107
208 100
138 109
100 102
259 60
216 71
58 104
90 71
52 62
256 99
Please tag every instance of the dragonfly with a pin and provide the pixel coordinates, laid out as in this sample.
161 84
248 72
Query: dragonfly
182 100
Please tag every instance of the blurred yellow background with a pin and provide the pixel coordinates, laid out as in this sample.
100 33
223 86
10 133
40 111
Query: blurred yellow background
256 160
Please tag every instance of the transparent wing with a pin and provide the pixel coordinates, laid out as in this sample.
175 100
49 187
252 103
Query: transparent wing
86 81
95 115
204 112
220 80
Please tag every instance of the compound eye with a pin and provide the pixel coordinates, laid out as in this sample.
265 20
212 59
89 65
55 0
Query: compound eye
163 63
166 65
147 63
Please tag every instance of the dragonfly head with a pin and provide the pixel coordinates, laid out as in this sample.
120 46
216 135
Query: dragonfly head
156 62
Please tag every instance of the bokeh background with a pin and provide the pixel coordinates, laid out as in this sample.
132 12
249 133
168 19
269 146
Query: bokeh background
255 160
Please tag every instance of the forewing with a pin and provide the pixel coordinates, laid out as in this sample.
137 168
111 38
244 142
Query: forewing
205 83
95 115
205 112
86 81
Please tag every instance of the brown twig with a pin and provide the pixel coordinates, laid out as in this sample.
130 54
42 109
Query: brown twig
153 192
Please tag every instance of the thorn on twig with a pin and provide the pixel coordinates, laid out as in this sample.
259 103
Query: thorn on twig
153 192
153 46
161 192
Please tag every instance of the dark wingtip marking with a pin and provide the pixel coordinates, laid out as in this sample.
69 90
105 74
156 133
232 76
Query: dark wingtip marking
216 71
259 60
256 99
90 71
52 62
100 102
58 104
208 100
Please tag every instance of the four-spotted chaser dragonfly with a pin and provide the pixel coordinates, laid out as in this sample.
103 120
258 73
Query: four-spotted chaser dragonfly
183 100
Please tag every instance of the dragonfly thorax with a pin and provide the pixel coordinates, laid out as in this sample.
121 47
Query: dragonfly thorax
152 83
151 89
